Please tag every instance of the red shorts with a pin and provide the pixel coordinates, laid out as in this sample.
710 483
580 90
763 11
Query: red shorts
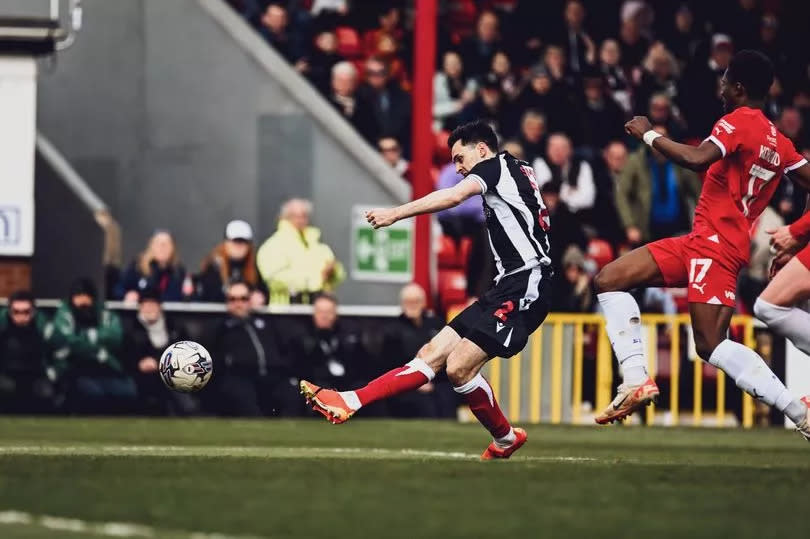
803 256
700 263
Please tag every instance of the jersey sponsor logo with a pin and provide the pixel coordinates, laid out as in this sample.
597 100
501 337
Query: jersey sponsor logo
699 287
730 295
771 140
770 155
725 126
773 129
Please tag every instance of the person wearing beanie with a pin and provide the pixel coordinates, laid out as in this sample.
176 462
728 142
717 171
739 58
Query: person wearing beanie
86 342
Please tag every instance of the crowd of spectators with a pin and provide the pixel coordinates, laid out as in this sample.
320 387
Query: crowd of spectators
557 79
83 358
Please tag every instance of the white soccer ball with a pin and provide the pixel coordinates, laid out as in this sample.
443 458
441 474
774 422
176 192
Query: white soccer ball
186 366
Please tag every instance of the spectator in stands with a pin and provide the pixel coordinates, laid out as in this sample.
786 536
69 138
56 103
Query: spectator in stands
655 197
568 229
602 118
532 137
770 43
617 83
466 220
477 51
275 28
791 124
24 384
515 148
577 188
253 377
663 112
604 215
387 50
328 353
573 292
389 18
685 37
542 95
699 93
743 22
490 106
86 340
755 277
580 48
391 151
452 90
234 259
633 44
294 263
389 105
322 60
159 267
502 68
345 99
659 75
145 340
402 339
555 62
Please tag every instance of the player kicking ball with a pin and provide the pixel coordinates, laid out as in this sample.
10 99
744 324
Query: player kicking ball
500 322
746 157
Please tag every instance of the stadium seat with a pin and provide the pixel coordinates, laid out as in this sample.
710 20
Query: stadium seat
348 42
441 153
600 252
452 286
464 252
448 253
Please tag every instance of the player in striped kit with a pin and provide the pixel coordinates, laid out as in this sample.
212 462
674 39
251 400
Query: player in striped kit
497 324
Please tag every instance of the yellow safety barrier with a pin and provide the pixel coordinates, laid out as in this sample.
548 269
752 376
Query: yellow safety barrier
545 382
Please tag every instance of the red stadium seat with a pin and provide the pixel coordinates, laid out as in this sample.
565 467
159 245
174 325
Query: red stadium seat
600 252
441 153
348 42
452 286
464 252
448 253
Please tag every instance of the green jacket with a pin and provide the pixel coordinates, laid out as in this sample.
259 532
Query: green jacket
292 262
634 191
95 348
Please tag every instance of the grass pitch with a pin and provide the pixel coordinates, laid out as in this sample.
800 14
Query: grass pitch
386 479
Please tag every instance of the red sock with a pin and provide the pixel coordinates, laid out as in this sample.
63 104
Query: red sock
478 394
410 376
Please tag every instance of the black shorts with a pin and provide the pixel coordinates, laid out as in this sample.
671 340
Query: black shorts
501 321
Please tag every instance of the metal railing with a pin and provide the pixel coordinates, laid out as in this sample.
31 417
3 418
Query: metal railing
546 381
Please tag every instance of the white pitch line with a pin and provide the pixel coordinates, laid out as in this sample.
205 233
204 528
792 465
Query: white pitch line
112 529
262 452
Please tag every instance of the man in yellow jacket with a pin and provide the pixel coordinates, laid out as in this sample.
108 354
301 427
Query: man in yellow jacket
293 261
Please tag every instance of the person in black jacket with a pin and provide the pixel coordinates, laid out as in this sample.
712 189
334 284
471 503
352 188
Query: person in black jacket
330 354
401 341
24 385
251 376
144 342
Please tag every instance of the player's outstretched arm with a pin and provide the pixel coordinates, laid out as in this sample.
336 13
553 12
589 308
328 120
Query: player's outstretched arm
430 203
695 158
789 239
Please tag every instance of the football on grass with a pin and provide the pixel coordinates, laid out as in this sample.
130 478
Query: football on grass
186 366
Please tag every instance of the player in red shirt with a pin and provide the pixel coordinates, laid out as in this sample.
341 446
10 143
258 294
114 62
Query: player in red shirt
746 157
778 304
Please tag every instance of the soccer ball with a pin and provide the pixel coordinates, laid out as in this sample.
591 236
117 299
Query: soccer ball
186 366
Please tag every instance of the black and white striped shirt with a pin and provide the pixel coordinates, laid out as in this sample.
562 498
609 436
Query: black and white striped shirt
517 220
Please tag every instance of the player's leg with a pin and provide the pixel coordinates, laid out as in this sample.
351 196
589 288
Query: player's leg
741 364
340 406
623 325
463 370
776 306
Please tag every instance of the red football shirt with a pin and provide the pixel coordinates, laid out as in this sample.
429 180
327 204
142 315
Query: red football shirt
738 187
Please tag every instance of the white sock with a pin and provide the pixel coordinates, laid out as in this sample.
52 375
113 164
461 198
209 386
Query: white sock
506 441
351 399
753 376
789 322
623 325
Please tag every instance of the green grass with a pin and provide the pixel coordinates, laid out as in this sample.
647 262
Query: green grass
307 479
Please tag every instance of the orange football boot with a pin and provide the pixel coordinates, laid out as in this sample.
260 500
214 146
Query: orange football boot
495 452
628 400
326 401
